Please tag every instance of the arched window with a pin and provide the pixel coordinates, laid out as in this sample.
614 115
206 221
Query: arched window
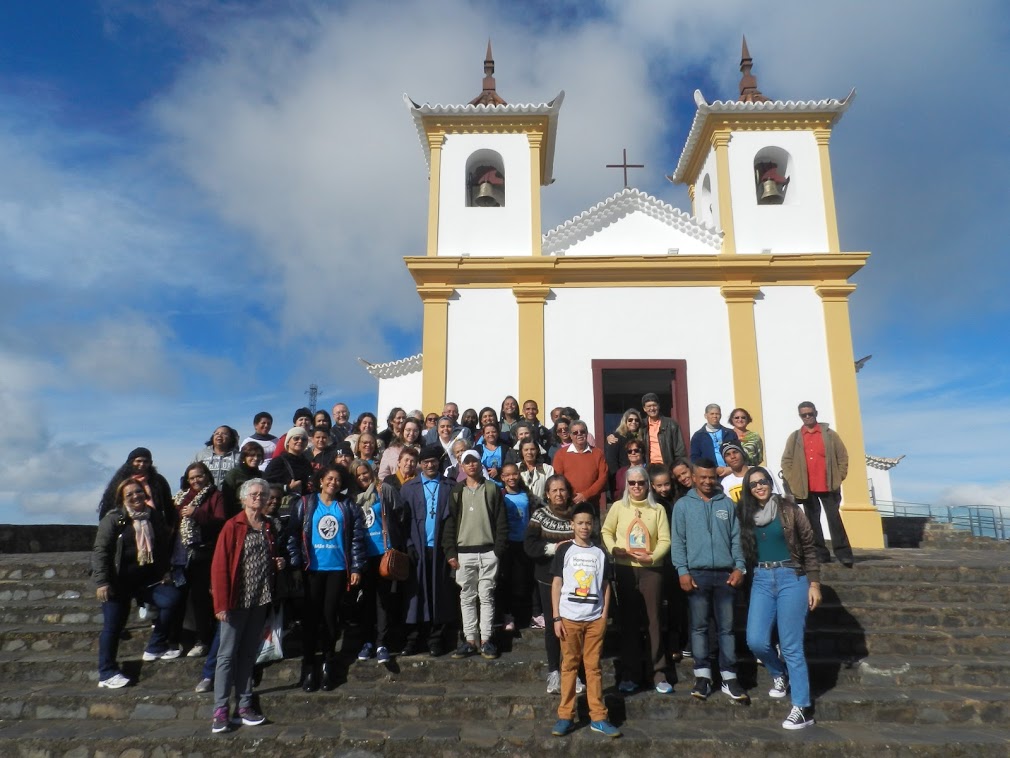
706 214
485 180
772 171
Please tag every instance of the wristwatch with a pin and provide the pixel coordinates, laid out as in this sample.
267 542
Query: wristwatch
556 619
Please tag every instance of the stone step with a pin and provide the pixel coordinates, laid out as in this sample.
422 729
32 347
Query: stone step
148 738
846 641
526 666
476 701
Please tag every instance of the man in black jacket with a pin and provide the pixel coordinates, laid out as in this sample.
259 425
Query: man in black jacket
664 442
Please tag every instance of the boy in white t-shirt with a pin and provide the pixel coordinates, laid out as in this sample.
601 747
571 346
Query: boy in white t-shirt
580 596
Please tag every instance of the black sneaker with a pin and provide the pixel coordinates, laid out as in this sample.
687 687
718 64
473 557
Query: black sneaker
465 650
702 688
488 650
799 718
732 688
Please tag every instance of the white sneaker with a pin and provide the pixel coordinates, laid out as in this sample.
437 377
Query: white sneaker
798 718
199 650
580 686
169 655
554 683
114 682
780 686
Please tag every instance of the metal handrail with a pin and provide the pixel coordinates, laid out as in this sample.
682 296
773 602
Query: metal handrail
981 520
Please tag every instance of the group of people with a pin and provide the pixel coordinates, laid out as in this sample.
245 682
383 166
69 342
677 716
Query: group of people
506 523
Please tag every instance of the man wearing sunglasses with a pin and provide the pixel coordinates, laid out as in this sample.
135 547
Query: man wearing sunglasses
814 464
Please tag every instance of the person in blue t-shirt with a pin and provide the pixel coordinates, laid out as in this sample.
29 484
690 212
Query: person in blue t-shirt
326 539
514 591
376 611
493 455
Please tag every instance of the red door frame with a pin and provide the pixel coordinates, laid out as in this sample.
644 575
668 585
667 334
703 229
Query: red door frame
678 390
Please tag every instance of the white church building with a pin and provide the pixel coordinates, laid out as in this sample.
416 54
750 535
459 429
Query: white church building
752 282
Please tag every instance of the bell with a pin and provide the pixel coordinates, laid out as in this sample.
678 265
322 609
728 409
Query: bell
486 196
771 194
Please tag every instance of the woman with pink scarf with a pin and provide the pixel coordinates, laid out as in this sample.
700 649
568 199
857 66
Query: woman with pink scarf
131 562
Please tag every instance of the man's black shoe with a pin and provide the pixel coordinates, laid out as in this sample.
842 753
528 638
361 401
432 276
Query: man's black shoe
702 688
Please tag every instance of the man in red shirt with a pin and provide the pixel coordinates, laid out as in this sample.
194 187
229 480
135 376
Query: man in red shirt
814 464
584 466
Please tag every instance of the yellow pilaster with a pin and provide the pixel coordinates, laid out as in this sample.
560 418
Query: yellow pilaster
690 194
823 136
720 141
743 350
434 179
530 300
536 142
434 346
862 521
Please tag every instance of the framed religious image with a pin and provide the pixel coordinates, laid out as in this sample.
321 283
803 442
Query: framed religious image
638 539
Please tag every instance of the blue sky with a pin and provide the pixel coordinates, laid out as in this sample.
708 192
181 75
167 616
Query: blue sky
203 205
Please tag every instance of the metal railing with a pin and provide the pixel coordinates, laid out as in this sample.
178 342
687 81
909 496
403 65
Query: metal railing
980 520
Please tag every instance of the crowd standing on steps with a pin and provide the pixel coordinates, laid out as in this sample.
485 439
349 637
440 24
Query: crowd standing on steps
452 532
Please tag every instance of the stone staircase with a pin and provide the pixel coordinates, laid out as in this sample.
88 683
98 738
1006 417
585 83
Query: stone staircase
910 656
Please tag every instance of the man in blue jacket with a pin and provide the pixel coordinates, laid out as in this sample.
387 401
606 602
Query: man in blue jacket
707 442
705 548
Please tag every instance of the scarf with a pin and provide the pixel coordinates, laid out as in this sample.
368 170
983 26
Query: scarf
143 534
764 516
400 478
368 497
189 530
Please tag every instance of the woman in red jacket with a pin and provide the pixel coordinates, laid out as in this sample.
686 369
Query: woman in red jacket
242 574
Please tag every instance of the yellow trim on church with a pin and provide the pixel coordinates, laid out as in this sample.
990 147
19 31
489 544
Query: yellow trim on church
536 149
634 270
744 350
862 521
532 361
434 346
823 136
434 187
720 143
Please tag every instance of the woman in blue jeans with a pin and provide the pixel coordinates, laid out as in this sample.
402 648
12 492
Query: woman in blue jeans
131 562
778 544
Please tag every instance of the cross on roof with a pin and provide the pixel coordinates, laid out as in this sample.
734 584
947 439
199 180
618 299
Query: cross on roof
625 165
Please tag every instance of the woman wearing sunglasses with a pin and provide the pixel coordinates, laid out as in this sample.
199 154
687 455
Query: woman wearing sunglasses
636 533
778 545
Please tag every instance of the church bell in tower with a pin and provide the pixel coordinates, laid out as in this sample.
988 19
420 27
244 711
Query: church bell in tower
771 185
487 188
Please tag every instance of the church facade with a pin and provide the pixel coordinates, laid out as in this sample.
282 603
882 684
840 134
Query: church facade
753 277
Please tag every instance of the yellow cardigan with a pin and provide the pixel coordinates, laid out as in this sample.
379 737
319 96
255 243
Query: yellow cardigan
618 521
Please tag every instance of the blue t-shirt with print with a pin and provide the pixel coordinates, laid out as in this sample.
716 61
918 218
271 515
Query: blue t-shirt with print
517 508
327 552
372 515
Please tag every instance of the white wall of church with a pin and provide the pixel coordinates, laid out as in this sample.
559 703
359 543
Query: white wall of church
796 226
483 349
399 391
793 360
880 485
581 324
484 231
639 233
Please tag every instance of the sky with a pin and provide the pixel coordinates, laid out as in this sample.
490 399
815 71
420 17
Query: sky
204 205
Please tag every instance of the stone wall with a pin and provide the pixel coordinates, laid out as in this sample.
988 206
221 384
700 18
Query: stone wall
46 538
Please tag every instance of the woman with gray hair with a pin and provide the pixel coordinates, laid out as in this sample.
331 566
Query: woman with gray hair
242 581
637 534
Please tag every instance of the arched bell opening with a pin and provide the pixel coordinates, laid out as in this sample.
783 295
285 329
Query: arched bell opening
485 180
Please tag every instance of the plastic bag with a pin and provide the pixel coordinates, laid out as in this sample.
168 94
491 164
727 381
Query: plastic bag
271 650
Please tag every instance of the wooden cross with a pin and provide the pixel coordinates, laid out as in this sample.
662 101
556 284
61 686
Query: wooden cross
625 165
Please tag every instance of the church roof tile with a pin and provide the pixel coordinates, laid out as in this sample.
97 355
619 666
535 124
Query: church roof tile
393 369
618 206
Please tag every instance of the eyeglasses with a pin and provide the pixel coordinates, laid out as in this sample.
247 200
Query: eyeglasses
636 483
808 414
635 419
760 483
636 450
739 418
258 496
580 433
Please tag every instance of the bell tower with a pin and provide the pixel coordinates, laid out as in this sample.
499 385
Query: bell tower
487 161
760 170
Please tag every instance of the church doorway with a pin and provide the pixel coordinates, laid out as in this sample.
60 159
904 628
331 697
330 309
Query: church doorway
619 385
